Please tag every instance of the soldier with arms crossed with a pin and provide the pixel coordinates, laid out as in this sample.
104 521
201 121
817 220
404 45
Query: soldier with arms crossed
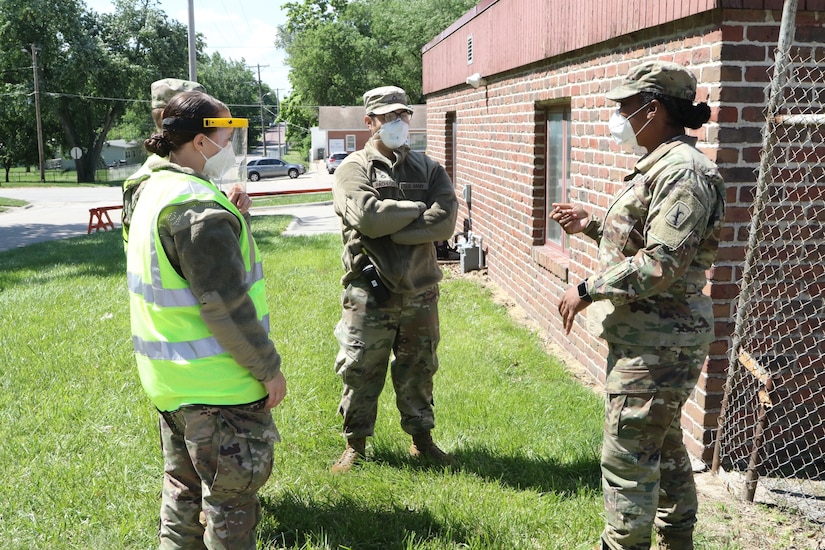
394 204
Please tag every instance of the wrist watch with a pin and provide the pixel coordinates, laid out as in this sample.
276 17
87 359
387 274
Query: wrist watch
583 295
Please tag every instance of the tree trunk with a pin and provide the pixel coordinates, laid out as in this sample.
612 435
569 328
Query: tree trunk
86 167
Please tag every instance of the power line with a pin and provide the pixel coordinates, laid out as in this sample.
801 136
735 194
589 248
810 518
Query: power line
95 98
79 96
128 100
234 22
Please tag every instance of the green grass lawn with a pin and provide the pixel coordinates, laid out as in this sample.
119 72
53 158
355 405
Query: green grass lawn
79 442
79 446
6 203
282 200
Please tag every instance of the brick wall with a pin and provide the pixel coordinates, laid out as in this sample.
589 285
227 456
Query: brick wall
499 150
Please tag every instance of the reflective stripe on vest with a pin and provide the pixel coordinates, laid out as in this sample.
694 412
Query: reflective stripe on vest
169 337
154 294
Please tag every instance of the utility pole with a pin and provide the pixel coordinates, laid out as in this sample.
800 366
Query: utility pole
193 69
40 154
278 121
261 103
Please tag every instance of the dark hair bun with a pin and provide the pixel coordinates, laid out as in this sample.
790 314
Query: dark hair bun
696 116
158 145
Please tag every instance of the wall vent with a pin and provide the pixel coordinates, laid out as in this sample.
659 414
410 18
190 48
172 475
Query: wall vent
470 50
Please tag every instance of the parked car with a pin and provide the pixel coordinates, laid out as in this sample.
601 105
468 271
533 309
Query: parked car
334 160
272 168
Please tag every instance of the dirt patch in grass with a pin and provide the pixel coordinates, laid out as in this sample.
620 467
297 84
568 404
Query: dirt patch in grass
725 521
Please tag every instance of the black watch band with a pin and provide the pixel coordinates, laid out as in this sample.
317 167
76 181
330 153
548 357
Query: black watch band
583 295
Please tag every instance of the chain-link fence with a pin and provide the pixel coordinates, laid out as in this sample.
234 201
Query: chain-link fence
771 439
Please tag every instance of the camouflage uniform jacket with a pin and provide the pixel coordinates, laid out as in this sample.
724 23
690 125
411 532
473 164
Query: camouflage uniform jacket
658 238
131 192
201 240
378 202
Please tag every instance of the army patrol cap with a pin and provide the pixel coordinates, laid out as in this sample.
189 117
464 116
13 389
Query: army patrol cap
166 89
659 77
386 99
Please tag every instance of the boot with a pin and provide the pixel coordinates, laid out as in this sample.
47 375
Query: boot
353 454
674 540
424 447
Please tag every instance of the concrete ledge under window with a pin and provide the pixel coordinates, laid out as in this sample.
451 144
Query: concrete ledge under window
551 259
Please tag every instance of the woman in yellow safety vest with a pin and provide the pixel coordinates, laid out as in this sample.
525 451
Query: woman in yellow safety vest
200 329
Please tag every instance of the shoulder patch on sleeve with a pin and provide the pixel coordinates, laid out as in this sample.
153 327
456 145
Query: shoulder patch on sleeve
678 214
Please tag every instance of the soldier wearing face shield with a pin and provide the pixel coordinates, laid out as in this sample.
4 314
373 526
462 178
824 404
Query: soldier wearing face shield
162 92
394 204
200 329
656 242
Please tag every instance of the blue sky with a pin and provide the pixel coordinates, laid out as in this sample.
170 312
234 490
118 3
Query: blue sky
237 29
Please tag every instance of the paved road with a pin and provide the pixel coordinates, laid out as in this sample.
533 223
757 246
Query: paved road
59 212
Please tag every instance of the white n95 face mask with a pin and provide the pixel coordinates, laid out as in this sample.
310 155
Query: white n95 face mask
220 163
394 134
622 131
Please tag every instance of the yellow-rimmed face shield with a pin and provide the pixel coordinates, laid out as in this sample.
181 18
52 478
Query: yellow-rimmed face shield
231 130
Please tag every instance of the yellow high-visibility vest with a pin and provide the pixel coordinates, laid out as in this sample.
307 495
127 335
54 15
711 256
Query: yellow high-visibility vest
178 358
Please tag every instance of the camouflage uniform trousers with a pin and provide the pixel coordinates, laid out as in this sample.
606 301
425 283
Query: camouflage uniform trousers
215 460
406 325
646 473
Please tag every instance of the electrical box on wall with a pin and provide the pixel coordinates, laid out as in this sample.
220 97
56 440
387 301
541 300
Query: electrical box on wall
471 256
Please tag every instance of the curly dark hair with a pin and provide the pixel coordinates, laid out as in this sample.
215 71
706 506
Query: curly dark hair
183 120
681 111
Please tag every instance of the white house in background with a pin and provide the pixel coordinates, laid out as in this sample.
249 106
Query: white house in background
119 152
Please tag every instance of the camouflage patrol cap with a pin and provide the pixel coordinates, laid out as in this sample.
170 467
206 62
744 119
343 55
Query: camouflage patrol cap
385 99
659 77
167 88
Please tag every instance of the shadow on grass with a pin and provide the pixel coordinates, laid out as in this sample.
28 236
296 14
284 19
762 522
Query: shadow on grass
292 520
99 254
349 523
517 472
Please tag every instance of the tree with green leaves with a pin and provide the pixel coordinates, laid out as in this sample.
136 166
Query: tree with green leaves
18 132
235 84
89 61
299 118
338 49
231 81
